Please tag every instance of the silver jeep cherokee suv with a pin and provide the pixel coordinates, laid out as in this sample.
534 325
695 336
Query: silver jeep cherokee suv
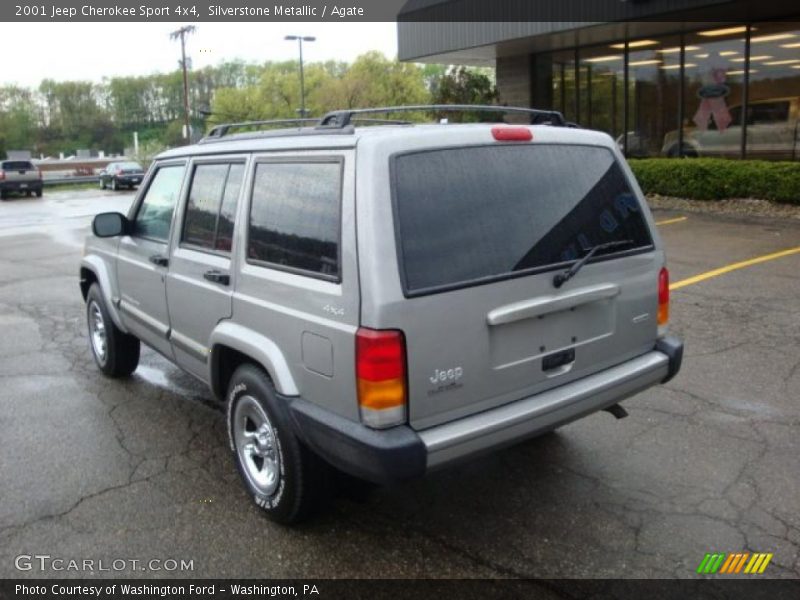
389 299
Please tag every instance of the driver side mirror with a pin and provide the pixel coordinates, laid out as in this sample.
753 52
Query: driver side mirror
110 224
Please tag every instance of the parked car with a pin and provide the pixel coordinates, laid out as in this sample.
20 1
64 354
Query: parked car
21 177
386 300
121 174
772 133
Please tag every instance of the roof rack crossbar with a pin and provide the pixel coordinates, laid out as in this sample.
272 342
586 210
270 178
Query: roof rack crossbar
342 118
223 129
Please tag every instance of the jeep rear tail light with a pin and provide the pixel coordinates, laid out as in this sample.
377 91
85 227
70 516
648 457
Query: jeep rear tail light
381 377
663 298
2 174
512 134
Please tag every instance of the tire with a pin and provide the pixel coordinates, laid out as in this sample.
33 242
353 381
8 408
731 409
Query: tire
39 193
29 193
284 478
115 352
114 186
3 195
102 184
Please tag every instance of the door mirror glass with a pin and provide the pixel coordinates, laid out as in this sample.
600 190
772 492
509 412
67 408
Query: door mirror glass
109 224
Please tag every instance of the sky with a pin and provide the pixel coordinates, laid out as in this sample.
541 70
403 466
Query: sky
91 51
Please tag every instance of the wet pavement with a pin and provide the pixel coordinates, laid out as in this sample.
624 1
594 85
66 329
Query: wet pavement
140 469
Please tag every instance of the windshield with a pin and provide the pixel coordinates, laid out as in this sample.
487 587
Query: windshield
470 215
130 166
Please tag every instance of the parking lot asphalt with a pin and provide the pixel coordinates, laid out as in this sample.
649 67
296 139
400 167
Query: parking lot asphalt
140 469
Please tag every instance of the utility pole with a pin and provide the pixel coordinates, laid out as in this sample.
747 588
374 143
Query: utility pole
300 39
182 33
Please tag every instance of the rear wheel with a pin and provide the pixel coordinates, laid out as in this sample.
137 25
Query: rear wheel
114 186
102 184
284 478
114 351
39 193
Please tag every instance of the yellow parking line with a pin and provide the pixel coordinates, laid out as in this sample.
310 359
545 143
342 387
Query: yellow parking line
671 221
733 267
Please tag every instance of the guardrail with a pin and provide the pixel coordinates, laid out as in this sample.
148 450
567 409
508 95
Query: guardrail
68 180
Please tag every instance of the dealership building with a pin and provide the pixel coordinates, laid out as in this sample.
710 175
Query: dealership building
678 82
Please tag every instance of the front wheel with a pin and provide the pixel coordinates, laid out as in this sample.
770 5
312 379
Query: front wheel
102 184
114 351
284 478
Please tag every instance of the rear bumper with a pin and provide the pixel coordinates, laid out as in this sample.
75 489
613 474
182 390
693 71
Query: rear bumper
21 186
401 453
128 179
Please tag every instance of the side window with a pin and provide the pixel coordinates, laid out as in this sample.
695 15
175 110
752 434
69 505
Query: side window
155 212
211 207
768 113
295 216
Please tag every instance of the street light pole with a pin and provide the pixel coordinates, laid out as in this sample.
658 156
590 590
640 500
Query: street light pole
181 33
300 39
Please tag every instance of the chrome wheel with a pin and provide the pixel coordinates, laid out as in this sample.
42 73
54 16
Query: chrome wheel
256 445
97 332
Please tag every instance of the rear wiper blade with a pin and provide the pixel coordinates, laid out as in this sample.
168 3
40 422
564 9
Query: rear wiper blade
561 278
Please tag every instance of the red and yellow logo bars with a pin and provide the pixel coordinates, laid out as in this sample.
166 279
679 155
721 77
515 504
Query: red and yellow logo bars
734 563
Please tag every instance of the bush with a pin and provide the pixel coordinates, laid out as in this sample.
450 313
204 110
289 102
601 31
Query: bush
718 179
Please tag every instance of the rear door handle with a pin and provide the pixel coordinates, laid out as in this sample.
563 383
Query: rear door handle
161 261
217 277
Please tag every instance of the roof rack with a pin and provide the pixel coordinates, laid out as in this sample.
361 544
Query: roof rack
342 118
222 130
341 121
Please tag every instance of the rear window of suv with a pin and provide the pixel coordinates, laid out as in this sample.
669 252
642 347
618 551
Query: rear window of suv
470 215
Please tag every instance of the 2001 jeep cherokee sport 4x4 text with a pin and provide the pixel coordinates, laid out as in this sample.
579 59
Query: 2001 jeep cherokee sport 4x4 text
389 299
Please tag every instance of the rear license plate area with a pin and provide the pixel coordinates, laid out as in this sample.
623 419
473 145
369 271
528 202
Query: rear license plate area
515 344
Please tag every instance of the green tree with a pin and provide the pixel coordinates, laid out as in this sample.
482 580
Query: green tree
374 80
18 118
463 85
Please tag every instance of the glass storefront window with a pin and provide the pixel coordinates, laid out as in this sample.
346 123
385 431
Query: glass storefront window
773 106
602 80
565 98
658 114
653 94
713 96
